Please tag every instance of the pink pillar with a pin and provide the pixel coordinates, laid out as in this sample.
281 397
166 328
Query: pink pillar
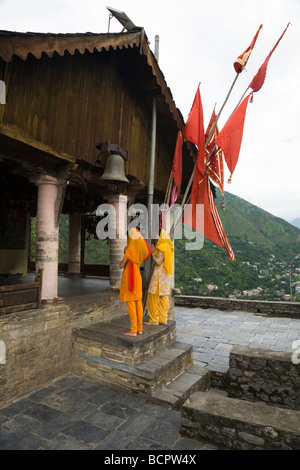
74 244
47 236
117 245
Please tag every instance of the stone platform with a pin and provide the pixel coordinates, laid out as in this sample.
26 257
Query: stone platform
233 423
254 405
153 364
106 339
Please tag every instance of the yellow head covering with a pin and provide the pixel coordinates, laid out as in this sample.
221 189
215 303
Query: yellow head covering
165 245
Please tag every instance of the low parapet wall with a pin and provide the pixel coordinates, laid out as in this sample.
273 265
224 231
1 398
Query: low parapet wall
272 377
36 344
255 405
290 309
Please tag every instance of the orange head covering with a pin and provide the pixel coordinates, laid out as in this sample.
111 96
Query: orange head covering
165 245
136 252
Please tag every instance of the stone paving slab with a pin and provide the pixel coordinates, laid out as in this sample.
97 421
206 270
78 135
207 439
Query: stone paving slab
102 419
111 414
229 328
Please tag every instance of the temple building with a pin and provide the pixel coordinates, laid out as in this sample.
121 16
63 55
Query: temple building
84 121
75 106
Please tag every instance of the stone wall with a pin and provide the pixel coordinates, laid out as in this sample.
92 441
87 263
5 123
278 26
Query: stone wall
238 424
291 309
38 342
254 405
271 377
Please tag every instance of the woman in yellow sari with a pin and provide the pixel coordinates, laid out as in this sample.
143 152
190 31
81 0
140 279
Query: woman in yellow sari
136 252
160 284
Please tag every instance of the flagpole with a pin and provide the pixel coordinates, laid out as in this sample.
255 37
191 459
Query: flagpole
249 50
172 231
148 263
168 191
243 95
222 107
211 157
214 151
206 143
267 58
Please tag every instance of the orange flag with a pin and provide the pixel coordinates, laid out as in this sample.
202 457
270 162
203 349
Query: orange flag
177 162
214 157
212 227
242 59
259 79
194 129
230 137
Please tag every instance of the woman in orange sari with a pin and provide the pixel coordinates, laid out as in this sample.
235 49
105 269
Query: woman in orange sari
136 252
160 284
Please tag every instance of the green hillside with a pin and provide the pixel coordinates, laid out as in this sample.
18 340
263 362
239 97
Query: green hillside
247 221
264 247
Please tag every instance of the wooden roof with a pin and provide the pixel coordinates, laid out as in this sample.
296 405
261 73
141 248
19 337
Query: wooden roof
39 45
23 44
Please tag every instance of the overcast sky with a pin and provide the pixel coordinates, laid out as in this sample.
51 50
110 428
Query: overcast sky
198 42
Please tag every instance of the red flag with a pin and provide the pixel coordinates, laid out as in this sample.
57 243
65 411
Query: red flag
259 79
214 157
212 227
230 137
210 144
194 129
177 162
216 172
242 59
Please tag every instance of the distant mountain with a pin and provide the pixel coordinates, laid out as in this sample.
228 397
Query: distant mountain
248 222
296 222
264 246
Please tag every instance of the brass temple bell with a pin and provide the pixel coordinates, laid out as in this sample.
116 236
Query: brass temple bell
114 169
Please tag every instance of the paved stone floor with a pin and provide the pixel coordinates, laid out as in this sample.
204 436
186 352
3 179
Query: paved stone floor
75 414
67 287
213 333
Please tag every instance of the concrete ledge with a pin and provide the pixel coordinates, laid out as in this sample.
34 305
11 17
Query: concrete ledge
290 309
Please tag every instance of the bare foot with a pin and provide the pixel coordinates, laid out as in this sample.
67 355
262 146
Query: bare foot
149 323
139 332
128 333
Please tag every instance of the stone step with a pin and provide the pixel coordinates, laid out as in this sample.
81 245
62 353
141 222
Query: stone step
144 377
239 424
173 394
105 339
153 364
